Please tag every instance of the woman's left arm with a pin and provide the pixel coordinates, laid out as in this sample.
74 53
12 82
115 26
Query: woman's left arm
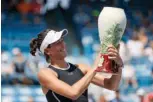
114 81
108 83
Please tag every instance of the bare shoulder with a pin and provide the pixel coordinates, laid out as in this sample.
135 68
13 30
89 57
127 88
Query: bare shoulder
44 72
84 67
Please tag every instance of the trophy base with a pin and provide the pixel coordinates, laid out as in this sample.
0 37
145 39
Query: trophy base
106 65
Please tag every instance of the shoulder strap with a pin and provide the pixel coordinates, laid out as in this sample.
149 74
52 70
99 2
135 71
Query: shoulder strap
76 67
54 69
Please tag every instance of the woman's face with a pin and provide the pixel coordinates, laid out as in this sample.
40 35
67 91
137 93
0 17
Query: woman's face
57 50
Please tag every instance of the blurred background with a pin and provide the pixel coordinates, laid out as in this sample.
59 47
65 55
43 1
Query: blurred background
22 20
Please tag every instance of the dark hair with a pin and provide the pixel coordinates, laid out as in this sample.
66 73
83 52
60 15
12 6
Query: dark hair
35 43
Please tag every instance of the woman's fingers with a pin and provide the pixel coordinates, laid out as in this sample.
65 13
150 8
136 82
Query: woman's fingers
111 46
112 58
112 50
112 54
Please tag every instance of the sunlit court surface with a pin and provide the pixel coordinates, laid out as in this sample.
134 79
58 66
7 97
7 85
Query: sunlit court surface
77 22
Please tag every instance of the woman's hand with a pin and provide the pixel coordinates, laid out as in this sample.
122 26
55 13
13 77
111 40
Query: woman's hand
113 54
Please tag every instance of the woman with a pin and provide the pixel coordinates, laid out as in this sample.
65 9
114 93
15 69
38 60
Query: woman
63 81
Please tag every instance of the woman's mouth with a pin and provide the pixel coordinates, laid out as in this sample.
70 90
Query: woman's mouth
63 50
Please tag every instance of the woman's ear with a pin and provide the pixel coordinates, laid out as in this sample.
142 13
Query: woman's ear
47 52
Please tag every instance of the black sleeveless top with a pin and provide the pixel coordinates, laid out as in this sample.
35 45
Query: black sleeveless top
70 76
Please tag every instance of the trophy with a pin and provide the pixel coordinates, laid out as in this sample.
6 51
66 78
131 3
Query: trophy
111 26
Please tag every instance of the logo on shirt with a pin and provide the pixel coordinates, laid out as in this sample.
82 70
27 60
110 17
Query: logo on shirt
70 73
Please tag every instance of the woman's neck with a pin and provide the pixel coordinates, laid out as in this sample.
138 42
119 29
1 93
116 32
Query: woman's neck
59 63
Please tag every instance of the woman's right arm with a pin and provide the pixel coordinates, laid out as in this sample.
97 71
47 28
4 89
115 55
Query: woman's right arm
48 79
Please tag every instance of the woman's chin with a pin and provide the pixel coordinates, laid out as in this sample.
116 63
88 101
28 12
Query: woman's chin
65 55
